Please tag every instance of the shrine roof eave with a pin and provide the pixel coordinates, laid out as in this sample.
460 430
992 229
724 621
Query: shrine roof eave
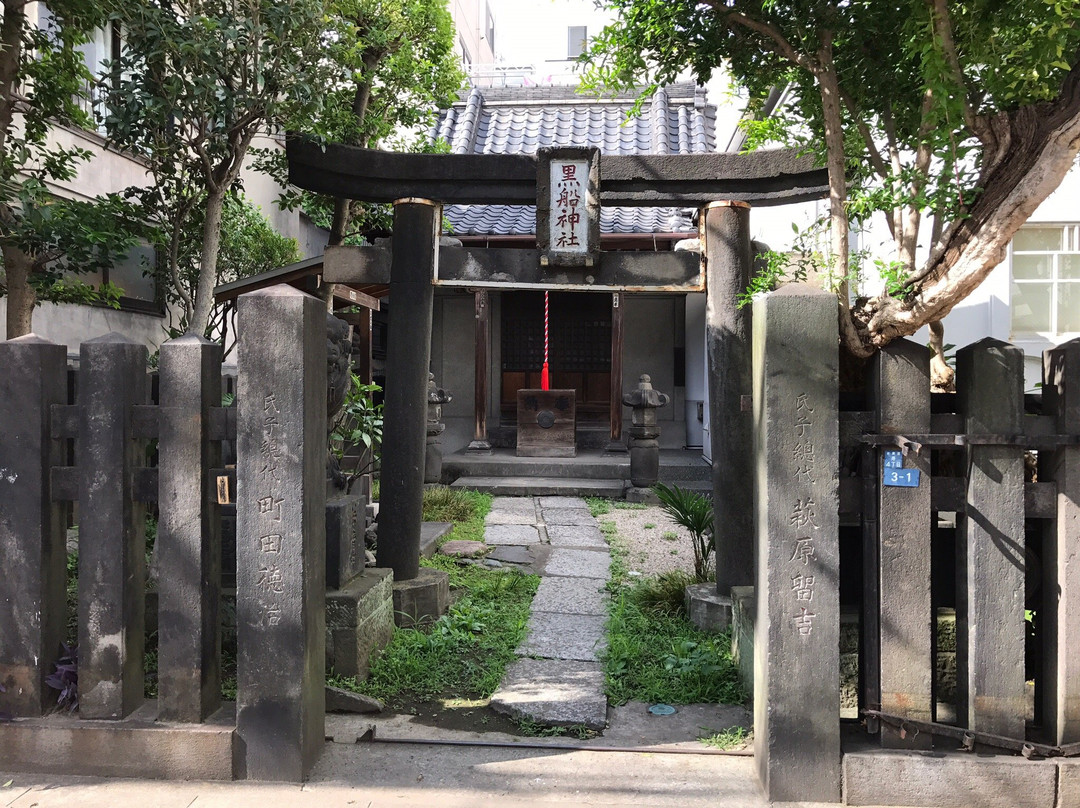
763 178
306 276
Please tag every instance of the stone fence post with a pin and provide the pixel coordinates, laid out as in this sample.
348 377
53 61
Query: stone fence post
1060 620
796 509
990 555
32 536
189 532
112 527
281 533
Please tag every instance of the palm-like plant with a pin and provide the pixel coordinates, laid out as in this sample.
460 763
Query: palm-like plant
694 512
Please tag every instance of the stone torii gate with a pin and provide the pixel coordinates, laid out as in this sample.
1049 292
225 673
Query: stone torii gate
723 186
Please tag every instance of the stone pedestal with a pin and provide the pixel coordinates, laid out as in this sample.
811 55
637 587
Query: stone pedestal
707 610
423 599
359 622
345 520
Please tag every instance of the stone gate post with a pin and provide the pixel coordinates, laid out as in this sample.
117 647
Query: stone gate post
796 508
281 533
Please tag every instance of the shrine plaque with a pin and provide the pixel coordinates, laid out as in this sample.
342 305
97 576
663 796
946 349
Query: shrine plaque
547 423
568 207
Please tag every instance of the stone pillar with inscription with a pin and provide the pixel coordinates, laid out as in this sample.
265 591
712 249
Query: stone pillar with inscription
280 533
796 509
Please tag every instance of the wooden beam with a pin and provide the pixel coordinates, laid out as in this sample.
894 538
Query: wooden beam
355 298
501 268
768 177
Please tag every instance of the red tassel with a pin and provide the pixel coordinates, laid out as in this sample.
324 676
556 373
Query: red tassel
545 382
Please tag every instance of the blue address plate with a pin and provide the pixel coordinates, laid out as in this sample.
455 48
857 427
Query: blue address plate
901 478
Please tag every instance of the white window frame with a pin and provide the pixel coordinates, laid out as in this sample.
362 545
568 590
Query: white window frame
1070 245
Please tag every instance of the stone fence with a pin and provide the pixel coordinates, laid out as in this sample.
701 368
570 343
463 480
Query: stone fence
279 424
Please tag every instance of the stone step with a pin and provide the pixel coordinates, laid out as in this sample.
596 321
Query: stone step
593 466
542 486
554 692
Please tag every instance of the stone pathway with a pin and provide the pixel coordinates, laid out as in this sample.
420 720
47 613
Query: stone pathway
558 680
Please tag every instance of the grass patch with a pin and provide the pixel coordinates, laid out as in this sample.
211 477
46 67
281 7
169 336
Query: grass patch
466 509
669 535
630 506
462 655
730 738
598 506
654 653
534 730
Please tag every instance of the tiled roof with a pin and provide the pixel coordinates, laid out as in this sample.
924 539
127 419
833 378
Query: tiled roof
521 120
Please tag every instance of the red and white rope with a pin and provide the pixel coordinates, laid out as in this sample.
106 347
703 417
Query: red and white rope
545 379
547 314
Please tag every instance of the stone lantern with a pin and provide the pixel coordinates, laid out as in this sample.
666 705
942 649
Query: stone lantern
644 401
436 397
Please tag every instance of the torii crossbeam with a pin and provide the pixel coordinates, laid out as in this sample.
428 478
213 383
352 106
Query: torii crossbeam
724 186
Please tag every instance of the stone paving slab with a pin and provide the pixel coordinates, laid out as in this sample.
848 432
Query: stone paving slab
573 563
512 511
568 516
511 534
576 503
513 554
553 693
571 596
565 636
576 536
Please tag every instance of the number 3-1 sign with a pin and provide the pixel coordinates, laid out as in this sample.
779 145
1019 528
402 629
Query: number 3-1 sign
894 474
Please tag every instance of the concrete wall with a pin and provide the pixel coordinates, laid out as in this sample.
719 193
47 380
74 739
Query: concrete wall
70 325
453 363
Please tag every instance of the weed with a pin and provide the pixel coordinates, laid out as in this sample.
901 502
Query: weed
669 535
630 506
649 525
663 593
466 509
535 730
730 738
598 506
463 654
654 653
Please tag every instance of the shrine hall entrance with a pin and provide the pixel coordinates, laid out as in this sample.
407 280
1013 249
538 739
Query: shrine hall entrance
579 350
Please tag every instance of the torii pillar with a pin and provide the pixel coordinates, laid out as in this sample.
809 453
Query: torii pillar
728 259
415 255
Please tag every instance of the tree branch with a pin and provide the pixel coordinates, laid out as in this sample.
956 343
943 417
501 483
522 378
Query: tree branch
782 46
939 12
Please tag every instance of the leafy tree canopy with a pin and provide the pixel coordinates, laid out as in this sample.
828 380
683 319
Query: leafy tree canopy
953 120
45 239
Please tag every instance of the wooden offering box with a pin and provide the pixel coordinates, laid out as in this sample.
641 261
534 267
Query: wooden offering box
547 422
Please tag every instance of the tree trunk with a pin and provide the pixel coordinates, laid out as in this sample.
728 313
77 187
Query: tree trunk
204 292
1041 144
21 297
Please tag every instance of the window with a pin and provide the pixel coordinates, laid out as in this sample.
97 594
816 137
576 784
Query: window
490 32
577 35
1046 280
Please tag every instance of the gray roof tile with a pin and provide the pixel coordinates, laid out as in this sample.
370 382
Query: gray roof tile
521 120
